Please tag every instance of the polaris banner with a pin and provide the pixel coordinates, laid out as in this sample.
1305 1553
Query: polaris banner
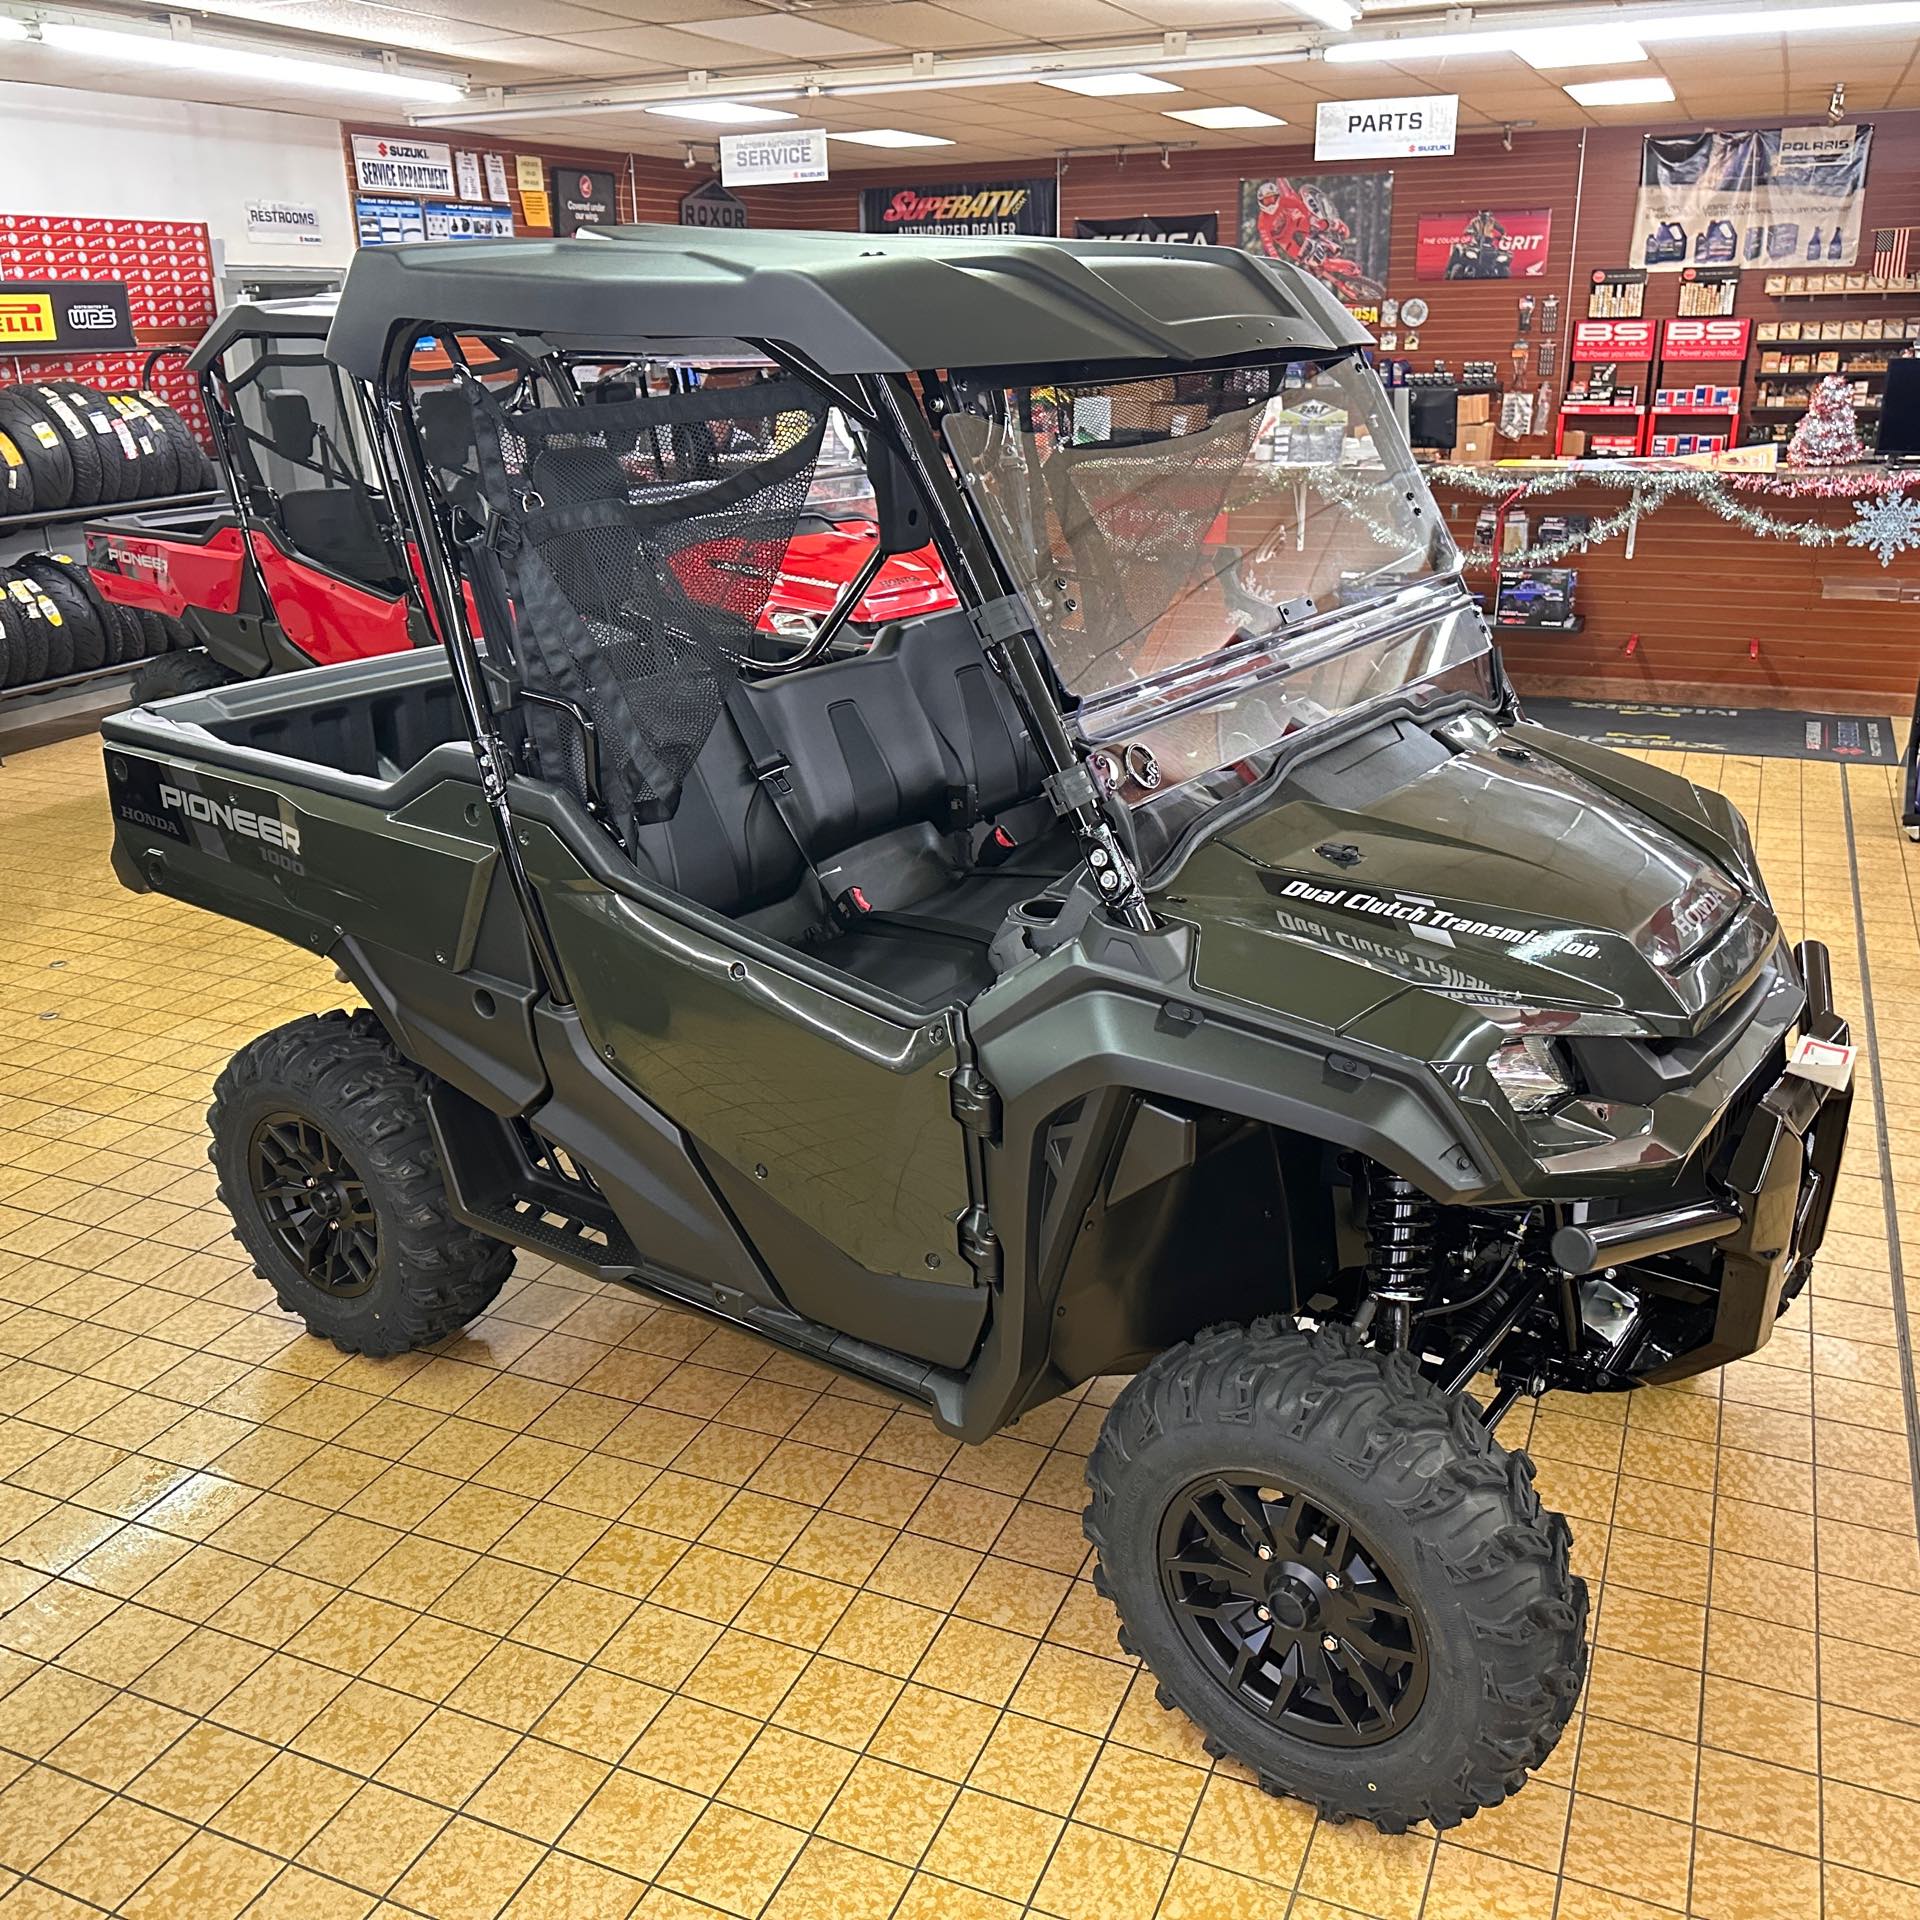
1184 229
1490 243
1774 197
993 206
64 316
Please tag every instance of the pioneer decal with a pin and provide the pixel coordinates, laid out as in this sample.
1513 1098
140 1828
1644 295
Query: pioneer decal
225 823
1427 918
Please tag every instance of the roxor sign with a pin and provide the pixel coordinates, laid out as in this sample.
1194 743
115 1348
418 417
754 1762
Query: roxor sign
64 316
1613 340
711 205
1705 339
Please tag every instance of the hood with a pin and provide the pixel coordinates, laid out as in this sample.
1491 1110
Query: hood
1495 875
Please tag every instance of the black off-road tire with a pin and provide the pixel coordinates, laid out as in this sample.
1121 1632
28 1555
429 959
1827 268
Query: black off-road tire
23 417
339 1073
189 671
1450 1516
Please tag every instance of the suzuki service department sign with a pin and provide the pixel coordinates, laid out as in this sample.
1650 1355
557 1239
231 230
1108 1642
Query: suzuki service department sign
383 165
1410 129
773 159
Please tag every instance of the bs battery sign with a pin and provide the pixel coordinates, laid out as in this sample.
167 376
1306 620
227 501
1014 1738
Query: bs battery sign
1704 339
384 165
1600 340
64 316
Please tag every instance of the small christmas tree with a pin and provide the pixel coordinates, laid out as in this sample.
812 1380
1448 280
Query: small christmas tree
1827 436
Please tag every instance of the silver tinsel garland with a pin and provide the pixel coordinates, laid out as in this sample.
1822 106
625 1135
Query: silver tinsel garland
1651 488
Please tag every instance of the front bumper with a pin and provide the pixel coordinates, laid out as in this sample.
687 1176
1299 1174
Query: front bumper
1779 1184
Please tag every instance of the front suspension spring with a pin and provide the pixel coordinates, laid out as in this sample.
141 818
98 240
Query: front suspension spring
1401 1224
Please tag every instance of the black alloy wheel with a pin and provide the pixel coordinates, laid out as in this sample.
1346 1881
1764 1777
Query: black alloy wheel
1291 1610
315 1205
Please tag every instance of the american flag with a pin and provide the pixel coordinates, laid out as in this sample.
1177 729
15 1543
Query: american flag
1890 250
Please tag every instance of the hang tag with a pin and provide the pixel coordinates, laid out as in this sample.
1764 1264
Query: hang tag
1822 1062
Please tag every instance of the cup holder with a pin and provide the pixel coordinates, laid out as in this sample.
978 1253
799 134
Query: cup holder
1042 911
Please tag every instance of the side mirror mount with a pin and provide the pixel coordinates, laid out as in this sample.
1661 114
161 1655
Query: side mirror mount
898 508
289 423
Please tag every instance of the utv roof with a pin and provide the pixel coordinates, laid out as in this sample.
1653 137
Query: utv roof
281 319
849 302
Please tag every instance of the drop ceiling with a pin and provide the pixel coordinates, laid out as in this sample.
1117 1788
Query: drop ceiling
517 44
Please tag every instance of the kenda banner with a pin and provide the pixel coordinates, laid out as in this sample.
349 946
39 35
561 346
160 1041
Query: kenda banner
988 206
1183 229
1769 197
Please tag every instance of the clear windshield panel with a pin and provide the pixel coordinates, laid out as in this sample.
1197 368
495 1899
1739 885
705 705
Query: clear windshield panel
1215 560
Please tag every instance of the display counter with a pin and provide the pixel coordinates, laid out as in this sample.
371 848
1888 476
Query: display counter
1685 603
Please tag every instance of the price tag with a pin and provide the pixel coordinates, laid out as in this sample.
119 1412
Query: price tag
1822 1062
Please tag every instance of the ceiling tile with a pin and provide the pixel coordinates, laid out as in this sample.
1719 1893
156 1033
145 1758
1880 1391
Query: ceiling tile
915 24
796 35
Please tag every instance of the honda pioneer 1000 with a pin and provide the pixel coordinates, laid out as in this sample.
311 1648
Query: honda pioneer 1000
1179 959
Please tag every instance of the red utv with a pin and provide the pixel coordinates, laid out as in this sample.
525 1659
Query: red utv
304 565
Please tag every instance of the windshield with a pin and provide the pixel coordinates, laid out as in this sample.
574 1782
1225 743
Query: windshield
1215 560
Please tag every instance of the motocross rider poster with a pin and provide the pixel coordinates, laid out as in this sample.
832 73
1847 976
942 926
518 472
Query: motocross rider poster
1768 197
1488 243
988 206
1336 226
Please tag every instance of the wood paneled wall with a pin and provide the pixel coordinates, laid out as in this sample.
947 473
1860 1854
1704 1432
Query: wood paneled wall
1698 592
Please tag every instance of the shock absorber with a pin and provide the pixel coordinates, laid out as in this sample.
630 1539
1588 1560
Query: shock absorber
1400 1250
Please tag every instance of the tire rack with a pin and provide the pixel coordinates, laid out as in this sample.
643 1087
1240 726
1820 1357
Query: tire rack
25 533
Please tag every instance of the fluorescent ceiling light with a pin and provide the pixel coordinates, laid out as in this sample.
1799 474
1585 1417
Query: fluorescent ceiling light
1222 119
1330 13
1628 27
891 137
1620 93
1101 86
12 30
1026 77
1578 47
1743 26
719 113
229 61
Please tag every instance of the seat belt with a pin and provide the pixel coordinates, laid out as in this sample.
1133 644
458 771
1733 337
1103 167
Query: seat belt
770 765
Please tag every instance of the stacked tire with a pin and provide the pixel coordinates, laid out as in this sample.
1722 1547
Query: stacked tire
64 445
55 621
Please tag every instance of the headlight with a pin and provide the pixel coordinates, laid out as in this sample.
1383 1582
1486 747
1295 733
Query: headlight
1529 1073
1687 922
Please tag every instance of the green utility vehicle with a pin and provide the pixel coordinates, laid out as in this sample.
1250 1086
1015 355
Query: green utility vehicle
1177 960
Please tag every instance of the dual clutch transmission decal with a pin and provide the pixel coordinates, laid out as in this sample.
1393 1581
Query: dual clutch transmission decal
1429 919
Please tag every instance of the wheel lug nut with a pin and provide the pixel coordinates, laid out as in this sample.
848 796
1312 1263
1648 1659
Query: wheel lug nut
1263 1613
1329 1642
1333 1581
1265 1553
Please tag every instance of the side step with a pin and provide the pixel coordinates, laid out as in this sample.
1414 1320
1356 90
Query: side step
506 1181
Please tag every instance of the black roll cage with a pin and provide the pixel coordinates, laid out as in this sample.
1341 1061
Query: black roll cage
887 409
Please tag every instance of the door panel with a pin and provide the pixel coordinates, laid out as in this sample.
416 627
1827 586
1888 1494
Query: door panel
840 1114
327 618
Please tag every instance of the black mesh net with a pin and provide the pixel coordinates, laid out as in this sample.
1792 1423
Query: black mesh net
640 543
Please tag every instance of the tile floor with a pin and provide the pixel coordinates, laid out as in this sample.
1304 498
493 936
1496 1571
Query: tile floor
602 1609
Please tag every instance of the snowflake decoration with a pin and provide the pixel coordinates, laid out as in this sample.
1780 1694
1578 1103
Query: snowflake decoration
1887 526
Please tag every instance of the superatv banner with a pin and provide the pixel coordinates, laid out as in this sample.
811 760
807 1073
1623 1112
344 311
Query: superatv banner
1490 243
1338 226
1774 197
1187 229
992 206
